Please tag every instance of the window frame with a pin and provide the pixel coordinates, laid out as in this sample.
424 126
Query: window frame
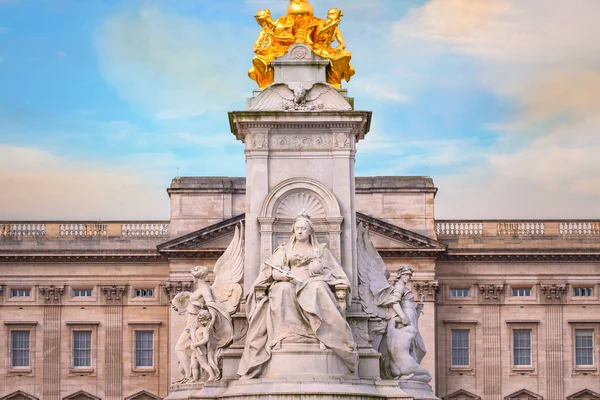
518 291
19 326
593 299
86 326
135 326
20 299
531 326
471 326
532 298
594 326
448 288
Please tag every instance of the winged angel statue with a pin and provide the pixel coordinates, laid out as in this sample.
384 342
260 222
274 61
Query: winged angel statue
393 326
209 327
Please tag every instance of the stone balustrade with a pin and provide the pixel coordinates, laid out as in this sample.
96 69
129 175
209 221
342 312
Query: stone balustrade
83 229
534 228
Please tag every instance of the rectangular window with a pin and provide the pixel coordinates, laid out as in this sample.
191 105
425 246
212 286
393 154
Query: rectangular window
583 292
144 292
584 347
522 347
144 348
20 349
82 348
521 292
459 292
82 292
460 347
21 293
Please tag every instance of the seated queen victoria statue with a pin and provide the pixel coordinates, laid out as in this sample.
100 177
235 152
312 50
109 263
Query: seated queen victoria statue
299 304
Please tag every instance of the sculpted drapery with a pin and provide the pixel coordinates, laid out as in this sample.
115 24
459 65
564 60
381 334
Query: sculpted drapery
297 309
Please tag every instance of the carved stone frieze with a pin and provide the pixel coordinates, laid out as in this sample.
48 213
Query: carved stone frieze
429 289
553 291
491 292
114 294
52 294
316 141
171 288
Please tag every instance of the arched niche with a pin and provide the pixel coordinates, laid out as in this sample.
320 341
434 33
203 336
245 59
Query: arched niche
289 198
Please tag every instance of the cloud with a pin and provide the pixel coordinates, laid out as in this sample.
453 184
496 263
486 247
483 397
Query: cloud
46 186
379 91
173 66
544 60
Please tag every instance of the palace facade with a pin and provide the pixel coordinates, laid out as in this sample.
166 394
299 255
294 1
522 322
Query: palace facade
511 307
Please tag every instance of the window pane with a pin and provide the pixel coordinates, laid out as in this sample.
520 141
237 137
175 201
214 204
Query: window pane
460 347
521 292
144 348
20 348
522 347
82 348
584 347
459 292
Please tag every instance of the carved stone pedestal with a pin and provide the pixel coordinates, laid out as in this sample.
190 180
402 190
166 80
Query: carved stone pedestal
420 390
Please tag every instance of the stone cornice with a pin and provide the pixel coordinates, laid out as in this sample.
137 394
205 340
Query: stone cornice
521 255
25 256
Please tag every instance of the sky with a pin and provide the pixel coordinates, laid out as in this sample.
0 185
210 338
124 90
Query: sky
103 102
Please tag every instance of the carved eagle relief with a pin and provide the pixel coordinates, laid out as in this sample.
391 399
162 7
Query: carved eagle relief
284 97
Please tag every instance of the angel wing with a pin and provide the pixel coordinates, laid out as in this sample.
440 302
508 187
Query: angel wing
272 97
373 286
229 271
328 96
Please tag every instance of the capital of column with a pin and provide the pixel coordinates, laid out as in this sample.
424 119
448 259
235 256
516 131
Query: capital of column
491 292
426 289
113 294
52 294
172 288
553 291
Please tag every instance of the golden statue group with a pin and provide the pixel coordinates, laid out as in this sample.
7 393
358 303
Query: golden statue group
300 25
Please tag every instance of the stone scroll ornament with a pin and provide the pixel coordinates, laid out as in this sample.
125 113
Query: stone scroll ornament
209 326
393 329
299 25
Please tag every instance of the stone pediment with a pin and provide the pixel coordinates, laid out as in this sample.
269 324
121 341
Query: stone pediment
81 395
584 394
19 395
143 395
390 240
212 239
461 395
523 394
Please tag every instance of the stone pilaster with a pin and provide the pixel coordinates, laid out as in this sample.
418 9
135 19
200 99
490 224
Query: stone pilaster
51 361
113 370
492 368
427 292
554 294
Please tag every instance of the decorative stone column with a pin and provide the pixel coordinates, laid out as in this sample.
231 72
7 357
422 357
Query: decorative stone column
490 299
553 296
113 356
51 361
